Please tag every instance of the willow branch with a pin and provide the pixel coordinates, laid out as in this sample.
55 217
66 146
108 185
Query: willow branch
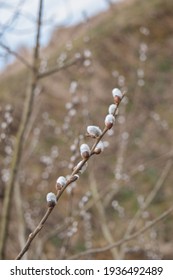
121 151
49 210
73 177
34 233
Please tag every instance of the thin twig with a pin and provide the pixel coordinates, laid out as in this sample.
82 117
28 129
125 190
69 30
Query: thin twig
120 158
101 214
159 184
10 22
59 68
34 233
20 216
18 56
124 240
148 199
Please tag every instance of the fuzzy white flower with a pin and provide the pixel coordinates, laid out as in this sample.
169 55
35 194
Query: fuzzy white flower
51 199
73 86
109 120
99 148
85 151
117 95
94 131
117 92
61 181
112 109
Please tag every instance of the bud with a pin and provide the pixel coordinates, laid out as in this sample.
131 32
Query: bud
99 148
51 199
112 109
74 178
60 182
117 95
109 121
94 131
85 151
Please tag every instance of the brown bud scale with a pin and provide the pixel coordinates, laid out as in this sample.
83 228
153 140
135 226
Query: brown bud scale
51 204
117 99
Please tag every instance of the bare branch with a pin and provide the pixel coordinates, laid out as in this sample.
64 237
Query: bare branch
128 238
101 213
148 199
59 68
18 56
20 216
19 142
34 233
13 18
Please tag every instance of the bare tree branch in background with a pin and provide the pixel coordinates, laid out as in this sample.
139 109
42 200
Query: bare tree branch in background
25 120
59 68
127 238
101 214
17 56
11 21
19 211
19 140
147 202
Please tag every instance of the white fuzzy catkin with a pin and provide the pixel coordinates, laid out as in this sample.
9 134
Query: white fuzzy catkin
110 119
94 130
61 181
84 148
85 151
51 197
112 109
99 148
117 92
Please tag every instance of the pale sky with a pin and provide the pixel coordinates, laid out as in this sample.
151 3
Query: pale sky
18 17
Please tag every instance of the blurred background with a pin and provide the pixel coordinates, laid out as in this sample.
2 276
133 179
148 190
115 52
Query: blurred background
86 49
18 19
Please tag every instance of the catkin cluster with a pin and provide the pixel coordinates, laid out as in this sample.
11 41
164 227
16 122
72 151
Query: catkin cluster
85 151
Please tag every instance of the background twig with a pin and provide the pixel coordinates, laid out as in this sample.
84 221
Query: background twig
19 141
128 238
